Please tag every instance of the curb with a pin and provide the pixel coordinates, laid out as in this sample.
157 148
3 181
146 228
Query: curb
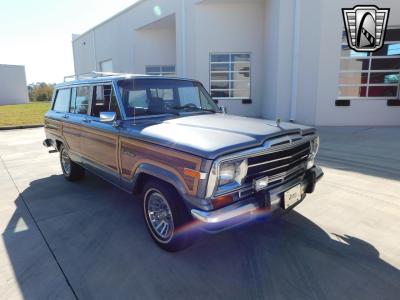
21 127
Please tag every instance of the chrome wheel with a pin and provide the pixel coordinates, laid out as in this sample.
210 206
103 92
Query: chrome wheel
66 163
159 216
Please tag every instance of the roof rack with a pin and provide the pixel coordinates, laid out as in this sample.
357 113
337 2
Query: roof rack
93 74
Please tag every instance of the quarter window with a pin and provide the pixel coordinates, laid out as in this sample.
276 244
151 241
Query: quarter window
168 71
61 102
373 75
230 75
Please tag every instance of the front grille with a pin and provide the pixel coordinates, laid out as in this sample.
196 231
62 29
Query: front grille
279 165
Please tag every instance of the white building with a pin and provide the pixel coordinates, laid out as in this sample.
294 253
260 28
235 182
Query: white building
264 58
13 88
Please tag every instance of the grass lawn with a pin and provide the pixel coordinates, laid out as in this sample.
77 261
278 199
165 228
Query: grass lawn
23 114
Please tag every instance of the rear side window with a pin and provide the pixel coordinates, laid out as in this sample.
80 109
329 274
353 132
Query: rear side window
61 102
80 100
104 100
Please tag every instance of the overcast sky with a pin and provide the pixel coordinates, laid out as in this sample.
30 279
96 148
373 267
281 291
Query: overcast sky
38 33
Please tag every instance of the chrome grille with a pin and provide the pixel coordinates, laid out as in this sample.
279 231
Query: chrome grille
279 165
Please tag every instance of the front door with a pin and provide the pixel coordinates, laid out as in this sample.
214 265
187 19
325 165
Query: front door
99 141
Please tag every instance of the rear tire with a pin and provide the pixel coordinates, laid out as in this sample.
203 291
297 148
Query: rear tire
71 170
165 215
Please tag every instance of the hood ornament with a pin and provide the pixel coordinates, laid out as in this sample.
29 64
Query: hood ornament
278 122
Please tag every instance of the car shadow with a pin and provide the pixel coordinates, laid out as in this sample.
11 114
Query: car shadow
97 235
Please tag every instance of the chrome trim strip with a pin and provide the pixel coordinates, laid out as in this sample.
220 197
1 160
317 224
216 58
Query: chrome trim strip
223 214
272 169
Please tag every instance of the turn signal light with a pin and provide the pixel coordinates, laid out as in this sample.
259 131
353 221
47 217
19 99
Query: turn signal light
222 201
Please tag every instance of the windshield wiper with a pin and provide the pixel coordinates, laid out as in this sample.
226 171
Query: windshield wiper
192 107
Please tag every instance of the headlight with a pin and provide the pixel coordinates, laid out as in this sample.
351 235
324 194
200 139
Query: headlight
232 172
314 144
226 176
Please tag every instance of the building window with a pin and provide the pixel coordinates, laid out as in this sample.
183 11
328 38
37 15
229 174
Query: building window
167 71
106 66
375 75
230 75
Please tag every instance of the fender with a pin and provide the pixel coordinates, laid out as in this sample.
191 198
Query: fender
158 172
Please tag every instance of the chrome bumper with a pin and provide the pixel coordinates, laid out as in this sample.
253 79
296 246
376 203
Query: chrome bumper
270 199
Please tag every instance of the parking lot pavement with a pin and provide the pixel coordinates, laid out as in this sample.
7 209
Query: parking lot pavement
87 240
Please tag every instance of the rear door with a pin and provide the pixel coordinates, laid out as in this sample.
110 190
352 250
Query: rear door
99 142
58 113
74 120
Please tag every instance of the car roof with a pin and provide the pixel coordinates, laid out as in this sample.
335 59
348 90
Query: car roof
102 79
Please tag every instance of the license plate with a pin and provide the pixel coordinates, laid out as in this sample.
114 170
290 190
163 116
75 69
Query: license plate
292 196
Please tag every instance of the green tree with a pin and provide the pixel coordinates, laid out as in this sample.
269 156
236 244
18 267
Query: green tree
40 91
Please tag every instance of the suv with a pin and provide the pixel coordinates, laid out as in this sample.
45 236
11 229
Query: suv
193 165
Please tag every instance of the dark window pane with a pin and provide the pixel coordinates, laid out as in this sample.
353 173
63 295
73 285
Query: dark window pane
353 78
220 58
382 91
61 103
352 91
384 78
153 69
354 64
220 85
168 69
219 76
392 35
220 67
220 94
385 64
240 57
388 50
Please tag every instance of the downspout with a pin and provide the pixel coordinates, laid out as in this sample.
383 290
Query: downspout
295 60
94 50
183 37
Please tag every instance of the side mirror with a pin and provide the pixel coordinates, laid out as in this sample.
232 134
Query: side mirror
223 110
108 117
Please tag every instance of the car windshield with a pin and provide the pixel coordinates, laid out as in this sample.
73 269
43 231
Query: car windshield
153 96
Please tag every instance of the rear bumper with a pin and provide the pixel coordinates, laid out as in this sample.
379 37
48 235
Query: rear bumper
258 205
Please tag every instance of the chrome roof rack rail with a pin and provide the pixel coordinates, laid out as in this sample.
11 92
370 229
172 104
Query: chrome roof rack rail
93 74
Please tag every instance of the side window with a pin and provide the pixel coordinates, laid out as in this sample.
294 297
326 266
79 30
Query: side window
104 100
80 100
138 99
61 102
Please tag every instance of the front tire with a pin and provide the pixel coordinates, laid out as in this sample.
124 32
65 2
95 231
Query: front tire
165 214
71 170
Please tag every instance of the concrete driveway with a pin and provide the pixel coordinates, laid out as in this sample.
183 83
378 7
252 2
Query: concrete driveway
87 240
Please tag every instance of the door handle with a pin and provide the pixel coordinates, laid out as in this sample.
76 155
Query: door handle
65 116
86 120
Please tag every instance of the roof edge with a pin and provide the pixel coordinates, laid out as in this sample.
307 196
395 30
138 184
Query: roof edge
108 20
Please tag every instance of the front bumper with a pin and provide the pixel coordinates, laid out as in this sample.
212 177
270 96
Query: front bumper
262 202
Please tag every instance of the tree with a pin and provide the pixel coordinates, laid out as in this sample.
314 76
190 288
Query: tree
40 91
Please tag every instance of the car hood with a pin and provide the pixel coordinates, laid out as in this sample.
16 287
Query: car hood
211 135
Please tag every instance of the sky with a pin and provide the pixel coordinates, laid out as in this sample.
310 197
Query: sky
38 33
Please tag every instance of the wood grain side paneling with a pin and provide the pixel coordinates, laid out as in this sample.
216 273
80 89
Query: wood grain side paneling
134 153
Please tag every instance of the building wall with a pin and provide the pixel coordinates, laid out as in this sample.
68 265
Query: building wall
294 46
361 112
13 87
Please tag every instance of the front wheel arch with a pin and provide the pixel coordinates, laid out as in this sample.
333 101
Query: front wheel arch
148 171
